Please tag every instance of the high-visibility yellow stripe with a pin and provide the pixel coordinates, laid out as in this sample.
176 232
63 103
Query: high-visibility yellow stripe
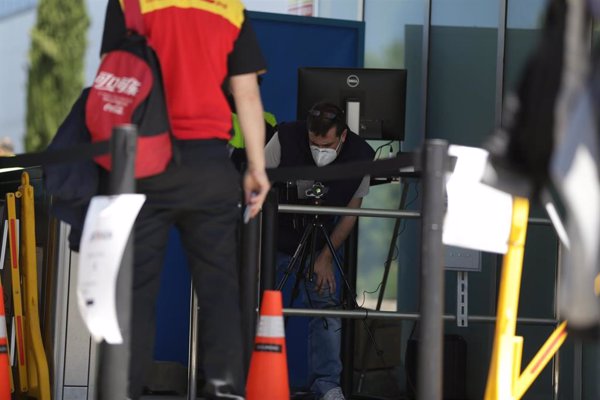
231 10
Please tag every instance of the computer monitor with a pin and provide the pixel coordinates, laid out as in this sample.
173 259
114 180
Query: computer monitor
374 99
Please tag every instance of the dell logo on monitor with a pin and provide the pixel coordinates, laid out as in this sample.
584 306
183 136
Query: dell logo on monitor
352 81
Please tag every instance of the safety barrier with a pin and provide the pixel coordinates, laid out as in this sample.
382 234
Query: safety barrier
32 365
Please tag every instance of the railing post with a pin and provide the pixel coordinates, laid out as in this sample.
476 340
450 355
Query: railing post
269 242
113 371
249 285
434 164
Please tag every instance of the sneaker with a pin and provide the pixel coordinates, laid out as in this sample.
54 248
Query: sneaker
334 394
216 389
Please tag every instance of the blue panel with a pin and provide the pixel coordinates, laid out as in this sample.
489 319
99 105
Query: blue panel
290 42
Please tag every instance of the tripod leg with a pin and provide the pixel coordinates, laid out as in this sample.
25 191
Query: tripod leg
297 253
300 276
313 253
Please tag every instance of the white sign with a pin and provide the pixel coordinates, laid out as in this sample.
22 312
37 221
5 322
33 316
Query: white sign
108 223
478 216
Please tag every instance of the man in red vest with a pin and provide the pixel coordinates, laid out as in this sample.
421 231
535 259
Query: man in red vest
199 44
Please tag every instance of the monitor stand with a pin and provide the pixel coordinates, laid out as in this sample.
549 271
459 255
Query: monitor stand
353 115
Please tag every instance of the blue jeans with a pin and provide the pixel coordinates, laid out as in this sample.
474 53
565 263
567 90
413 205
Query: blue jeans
324 334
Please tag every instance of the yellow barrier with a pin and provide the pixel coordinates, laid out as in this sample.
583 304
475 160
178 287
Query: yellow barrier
505 380
39 377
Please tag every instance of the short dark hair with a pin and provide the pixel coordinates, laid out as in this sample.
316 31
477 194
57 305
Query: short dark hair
323 116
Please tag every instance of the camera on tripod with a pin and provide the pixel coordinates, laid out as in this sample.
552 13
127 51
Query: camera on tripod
301 192
316 191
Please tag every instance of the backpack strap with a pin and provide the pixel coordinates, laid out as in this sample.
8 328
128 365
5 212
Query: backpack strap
133 17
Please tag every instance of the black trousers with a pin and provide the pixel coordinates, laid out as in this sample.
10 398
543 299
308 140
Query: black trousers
200 196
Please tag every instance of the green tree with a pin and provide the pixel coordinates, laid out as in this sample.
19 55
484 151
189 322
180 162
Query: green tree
58 43
391 57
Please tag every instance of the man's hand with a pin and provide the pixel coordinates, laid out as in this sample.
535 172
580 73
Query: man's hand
324 273
256 186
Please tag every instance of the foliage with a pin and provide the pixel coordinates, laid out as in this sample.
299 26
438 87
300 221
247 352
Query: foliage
58 43
391 57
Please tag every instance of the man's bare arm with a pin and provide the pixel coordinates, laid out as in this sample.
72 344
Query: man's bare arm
250 114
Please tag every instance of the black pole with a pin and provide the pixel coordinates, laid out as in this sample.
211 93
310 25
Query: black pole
348 326
113 369
269 242
434 163
249 285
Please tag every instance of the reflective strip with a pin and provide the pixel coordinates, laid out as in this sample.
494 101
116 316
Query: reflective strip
231 10
14 252
2 327
270 327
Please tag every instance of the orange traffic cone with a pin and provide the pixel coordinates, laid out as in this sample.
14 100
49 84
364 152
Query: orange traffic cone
4 360
268 376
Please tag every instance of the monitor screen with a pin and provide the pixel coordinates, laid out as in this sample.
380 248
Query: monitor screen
376 97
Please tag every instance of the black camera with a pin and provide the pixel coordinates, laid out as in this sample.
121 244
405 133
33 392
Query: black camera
301 192
316 191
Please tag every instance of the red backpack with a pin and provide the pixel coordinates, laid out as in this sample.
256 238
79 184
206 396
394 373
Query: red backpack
128 89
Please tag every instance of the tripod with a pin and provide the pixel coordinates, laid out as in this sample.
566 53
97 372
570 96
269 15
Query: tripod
306 270
309 236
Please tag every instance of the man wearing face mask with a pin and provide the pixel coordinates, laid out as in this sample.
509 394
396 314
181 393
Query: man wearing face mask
323 139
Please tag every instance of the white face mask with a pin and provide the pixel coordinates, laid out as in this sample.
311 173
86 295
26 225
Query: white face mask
324 157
